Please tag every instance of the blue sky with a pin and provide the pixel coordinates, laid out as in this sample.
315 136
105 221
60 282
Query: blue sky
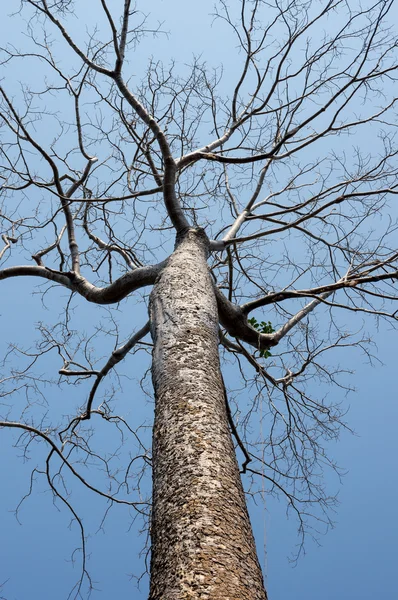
356 560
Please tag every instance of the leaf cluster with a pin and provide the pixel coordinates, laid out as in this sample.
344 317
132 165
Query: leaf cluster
262 327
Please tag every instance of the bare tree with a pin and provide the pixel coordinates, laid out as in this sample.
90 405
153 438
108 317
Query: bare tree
270 190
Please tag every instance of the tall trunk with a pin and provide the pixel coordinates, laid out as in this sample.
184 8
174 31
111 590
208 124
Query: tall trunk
202 542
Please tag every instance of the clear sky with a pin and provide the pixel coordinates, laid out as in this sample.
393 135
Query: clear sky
355 561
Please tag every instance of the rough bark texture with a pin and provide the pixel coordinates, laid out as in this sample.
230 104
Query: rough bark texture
202 542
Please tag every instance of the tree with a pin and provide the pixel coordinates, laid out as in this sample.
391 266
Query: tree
273 224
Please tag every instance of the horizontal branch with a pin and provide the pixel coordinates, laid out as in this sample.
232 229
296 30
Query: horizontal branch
114 292
234 318
344 283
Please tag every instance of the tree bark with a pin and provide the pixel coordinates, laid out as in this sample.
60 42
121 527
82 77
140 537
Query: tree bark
202 542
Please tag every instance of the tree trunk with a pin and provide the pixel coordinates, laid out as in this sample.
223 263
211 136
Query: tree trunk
202 542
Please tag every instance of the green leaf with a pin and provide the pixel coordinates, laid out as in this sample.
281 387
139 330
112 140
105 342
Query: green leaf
262 327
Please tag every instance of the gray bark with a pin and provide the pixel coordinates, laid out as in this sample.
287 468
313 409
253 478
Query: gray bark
202 542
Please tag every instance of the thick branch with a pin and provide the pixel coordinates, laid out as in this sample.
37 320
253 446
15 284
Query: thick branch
234 320
171 201
115 292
